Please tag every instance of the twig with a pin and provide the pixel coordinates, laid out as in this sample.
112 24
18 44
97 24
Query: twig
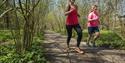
3 3
5 12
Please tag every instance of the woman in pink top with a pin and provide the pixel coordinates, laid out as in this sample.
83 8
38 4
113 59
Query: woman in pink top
93 25
72 23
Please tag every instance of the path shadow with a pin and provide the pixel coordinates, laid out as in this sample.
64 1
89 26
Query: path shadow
56 43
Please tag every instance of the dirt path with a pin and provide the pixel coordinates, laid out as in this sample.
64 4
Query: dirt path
55 44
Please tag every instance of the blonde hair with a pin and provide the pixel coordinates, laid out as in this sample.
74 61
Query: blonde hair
92 9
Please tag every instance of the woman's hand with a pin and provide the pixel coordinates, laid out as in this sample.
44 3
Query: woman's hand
68 12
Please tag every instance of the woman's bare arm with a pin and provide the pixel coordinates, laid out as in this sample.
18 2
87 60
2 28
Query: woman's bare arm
68 11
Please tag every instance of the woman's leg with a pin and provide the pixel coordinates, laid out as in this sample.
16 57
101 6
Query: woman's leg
69 33
90 35
96 35
79 33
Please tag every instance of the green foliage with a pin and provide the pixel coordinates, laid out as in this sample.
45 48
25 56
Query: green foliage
5 36
33 55
111 40
107 39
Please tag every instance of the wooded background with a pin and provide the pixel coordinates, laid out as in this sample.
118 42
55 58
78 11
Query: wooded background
26 19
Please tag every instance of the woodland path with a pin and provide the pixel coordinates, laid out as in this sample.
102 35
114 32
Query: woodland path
55 44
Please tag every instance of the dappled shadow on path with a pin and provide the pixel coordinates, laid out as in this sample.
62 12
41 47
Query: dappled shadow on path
55 44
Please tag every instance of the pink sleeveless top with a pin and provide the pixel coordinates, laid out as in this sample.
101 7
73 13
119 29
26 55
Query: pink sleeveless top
93 15
72 18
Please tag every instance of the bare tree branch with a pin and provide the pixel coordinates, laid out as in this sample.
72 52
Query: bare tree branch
5 12
3 3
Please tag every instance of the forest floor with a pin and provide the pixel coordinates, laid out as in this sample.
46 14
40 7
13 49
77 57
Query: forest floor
55 44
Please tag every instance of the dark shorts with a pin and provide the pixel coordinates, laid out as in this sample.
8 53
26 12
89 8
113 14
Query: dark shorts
92 30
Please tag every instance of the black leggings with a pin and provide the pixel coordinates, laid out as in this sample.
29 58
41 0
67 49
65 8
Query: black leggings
69 32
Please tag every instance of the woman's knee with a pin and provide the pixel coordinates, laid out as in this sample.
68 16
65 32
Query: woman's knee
69 35
80 33
97 34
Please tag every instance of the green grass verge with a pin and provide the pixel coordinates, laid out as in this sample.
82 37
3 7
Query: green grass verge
107 39
32 55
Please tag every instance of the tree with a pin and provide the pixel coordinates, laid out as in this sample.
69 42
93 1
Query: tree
24 18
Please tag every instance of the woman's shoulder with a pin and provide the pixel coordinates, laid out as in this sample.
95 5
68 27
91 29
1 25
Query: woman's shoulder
96 12
91 13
